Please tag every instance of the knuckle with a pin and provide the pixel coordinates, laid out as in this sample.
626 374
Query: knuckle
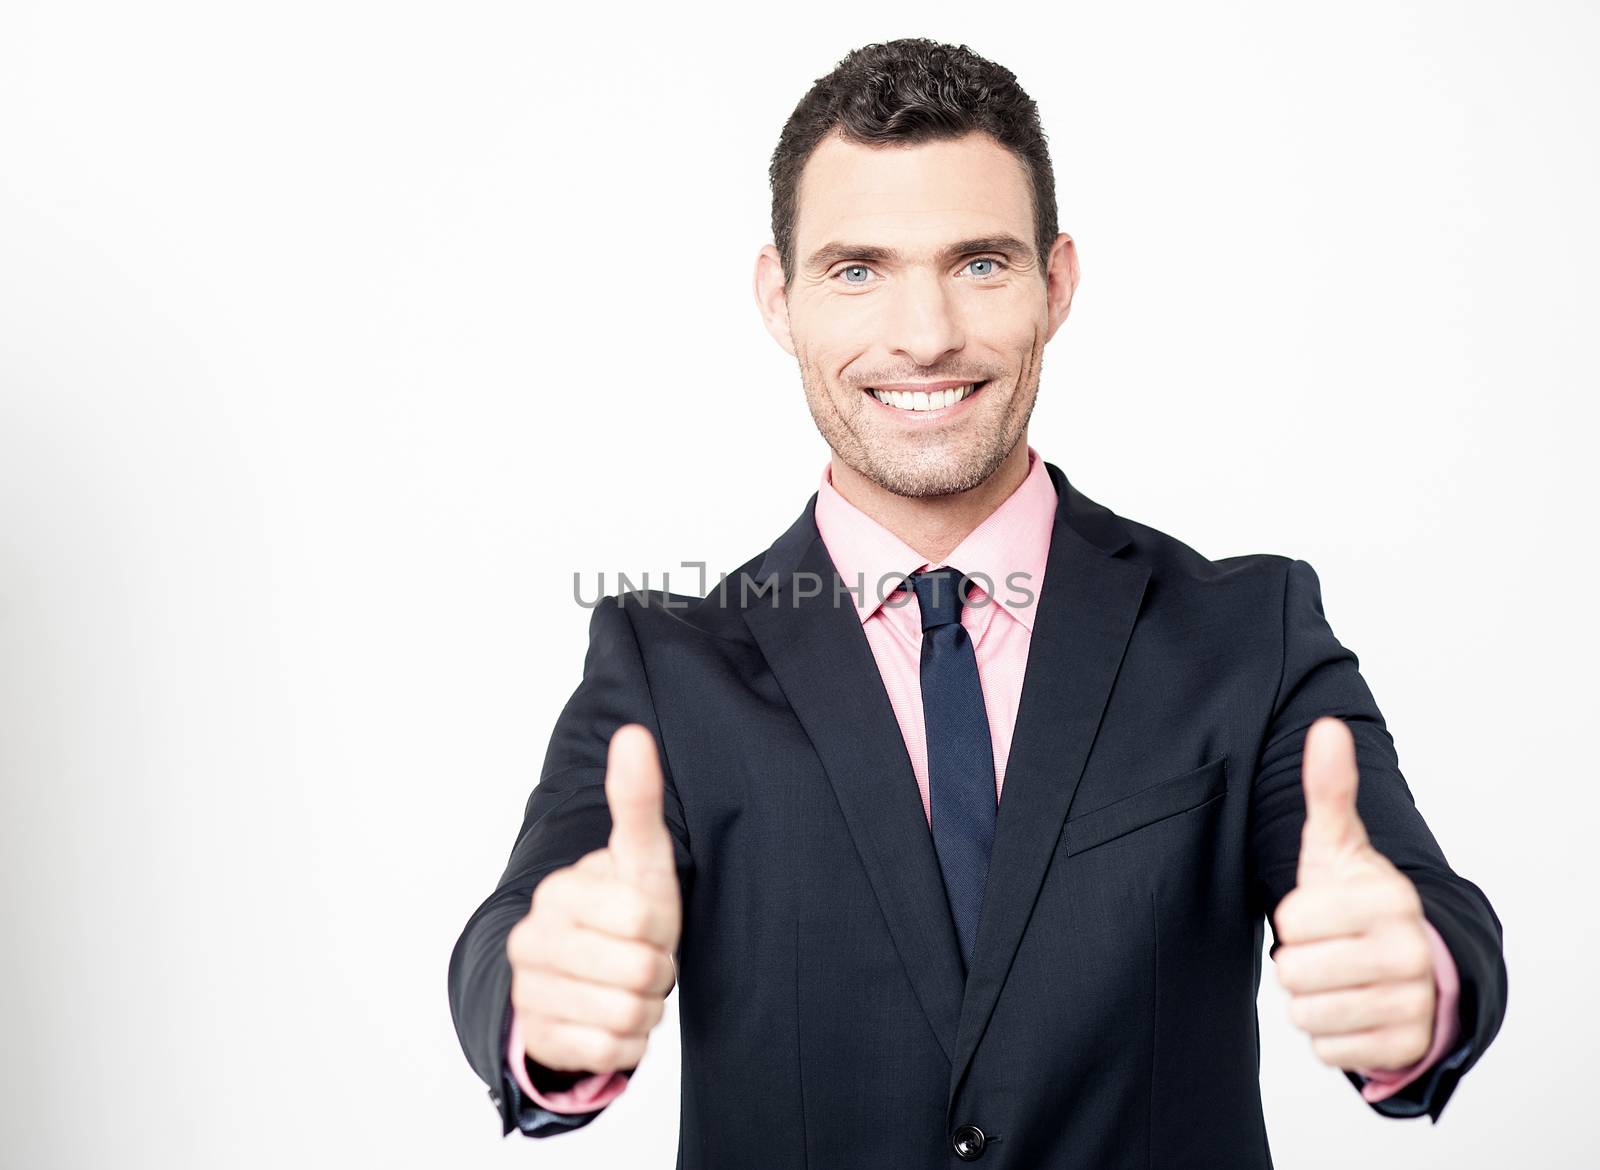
536 1036
635 915
1409 957
634 1015
537 913
1416 1001
1393 964
579 1045
522 945
1421 1035
644 971
545 894
1300 1013
1407 897
623 1052
1402 1047
1421 955
528 997
606 1051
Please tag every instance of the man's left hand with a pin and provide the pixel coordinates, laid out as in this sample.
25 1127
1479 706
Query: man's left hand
1354 956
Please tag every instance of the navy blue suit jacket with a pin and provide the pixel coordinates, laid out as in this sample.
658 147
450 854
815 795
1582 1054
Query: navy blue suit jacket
1150 824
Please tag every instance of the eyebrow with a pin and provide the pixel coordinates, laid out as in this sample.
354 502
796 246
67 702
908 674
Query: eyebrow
831 253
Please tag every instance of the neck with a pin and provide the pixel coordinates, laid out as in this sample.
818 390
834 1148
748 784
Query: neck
933 525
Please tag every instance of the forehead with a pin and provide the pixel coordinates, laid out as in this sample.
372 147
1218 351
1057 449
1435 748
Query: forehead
912 197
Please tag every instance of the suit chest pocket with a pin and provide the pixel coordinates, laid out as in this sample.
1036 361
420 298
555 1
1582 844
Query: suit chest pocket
1148 806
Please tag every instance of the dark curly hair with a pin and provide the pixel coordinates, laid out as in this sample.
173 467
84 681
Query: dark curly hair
910 91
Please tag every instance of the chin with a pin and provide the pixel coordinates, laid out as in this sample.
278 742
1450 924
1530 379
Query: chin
923 475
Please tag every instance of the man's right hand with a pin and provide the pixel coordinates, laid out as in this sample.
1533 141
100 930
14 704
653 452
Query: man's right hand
592 961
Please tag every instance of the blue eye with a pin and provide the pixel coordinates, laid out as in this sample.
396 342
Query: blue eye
975 260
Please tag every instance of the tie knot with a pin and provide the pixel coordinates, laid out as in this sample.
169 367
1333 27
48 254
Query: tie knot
938 596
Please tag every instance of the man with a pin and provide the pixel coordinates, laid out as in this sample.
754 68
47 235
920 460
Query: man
957 813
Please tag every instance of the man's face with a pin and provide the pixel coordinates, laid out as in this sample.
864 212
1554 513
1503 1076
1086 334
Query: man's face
915 267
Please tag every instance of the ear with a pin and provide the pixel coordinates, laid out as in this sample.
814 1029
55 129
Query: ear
771 298
1061 282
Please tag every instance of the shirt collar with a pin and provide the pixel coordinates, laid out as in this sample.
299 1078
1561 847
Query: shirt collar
1007 551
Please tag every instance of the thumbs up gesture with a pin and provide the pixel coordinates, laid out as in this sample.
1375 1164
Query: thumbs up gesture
1354 954
592 961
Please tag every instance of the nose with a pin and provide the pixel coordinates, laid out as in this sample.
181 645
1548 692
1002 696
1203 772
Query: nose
923 321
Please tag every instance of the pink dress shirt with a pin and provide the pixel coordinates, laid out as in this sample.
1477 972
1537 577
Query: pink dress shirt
1014 538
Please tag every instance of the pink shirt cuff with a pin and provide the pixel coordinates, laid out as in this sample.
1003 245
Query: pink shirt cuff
586 1096
1384 1083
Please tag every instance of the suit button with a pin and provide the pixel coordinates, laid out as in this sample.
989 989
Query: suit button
495 1097
969 1142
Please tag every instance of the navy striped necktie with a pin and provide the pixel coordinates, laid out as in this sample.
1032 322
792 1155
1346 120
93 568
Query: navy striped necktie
961 788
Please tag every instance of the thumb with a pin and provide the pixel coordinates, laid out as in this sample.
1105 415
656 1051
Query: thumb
1328 774
640 847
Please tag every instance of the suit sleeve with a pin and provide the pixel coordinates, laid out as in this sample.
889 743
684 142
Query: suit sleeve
1319 677
565 817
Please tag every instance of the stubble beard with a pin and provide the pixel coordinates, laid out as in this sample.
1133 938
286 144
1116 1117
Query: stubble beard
912 468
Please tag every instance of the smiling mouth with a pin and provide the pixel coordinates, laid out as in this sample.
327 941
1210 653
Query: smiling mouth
918 400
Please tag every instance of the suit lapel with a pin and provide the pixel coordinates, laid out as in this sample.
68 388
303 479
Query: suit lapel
821 658
1084 617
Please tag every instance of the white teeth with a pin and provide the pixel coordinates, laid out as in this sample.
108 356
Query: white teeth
922 399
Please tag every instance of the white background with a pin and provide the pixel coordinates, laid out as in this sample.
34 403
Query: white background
335 337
